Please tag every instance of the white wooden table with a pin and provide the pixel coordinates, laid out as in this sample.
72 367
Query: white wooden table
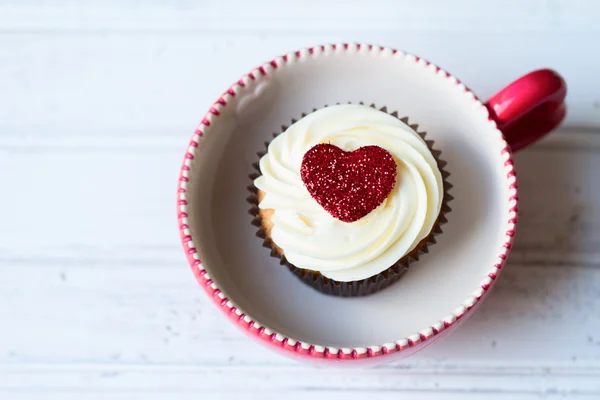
97 102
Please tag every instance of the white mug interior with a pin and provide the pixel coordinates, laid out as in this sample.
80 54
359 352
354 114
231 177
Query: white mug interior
437 289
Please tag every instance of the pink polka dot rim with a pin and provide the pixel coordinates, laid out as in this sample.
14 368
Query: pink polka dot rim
403 346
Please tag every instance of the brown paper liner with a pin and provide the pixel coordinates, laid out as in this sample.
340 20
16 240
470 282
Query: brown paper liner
354 288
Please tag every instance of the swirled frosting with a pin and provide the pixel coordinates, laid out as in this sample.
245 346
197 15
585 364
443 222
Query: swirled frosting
313 239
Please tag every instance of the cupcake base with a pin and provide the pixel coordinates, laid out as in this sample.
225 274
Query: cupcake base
262 219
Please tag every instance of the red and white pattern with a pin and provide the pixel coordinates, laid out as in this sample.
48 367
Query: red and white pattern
414 341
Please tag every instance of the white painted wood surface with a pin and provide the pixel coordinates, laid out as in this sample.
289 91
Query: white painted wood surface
97 102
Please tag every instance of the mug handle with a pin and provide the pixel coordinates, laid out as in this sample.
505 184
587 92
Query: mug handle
530 107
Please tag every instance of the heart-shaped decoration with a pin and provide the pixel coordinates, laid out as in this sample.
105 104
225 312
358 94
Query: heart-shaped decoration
348 185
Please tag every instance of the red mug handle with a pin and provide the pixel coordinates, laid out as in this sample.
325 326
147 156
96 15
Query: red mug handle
530 107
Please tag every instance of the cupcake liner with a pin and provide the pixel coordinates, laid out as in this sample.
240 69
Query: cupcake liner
365 286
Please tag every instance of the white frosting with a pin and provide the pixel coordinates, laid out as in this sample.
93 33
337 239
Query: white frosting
309 236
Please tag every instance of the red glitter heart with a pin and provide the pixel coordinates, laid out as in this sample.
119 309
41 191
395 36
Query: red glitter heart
348 185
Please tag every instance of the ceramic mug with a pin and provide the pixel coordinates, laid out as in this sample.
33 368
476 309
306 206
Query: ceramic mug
444 286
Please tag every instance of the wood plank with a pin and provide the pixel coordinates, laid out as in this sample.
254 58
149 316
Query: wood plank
177 394
310 16
147 84
537 317
296 381
65 186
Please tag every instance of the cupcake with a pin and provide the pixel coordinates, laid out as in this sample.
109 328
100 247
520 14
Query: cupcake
348 196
